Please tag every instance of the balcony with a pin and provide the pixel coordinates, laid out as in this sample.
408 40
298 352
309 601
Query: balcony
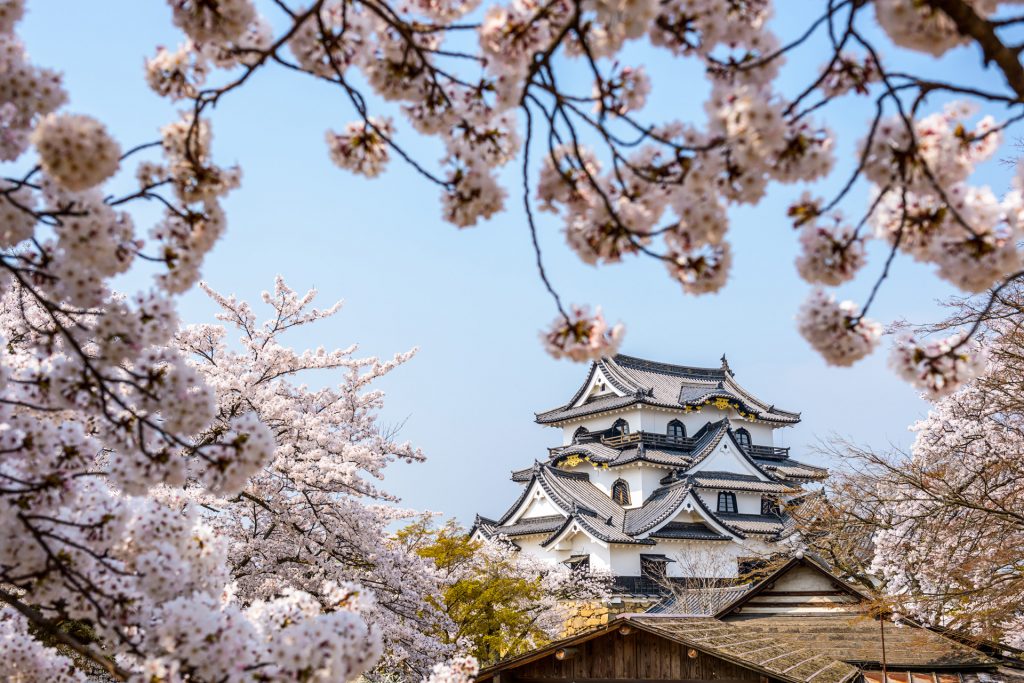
650 439
774 452
684 443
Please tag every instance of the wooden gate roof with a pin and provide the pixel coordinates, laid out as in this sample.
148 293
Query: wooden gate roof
764 655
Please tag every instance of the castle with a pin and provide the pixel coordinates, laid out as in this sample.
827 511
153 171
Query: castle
665 472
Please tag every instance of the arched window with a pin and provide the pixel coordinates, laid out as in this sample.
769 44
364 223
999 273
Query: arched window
726 501
620 492
743 437
621 426
579 433
676 429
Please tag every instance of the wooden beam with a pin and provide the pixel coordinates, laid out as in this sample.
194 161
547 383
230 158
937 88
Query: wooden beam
817 592
803 603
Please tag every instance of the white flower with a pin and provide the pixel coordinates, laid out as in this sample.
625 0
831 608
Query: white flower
837 330
849 73
246 448
215 21
474 194
363 147
582 336
16 220
76 150
701 271
938 367
977 255
831 255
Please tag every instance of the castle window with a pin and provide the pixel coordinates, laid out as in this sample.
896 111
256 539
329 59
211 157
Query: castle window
620 492
769 506
742 437
621 426
579 433
654 567
578 564
726 501
676 429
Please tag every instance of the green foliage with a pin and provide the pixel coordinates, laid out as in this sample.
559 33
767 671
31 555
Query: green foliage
495 606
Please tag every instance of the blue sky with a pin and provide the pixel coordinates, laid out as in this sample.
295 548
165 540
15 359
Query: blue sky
471 299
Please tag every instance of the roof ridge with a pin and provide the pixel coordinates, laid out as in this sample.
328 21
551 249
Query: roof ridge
672 368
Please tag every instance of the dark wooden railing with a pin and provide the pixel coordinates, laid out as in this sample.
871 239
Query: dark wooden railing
649 439
685 443
768 451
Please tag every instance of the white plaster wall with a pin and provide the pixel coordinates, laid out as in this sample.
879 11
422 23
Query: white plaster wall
650 478
726 458
531 546
692 558
540 506
656 420
626 559
746 503
577 544
600 423
642 480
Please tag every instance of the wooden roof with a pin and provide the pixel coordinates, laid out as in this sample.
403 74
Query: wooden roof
857 639
762 596
778 659
664 385
710 636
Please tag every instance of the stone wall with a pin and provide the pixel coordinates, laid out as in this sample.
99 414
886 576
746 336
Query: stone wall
584 616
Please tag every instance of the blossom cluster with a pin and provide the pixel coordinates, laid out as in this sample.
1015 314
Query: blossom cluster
837 330
663 190
581 336
938 366
103 420
314 517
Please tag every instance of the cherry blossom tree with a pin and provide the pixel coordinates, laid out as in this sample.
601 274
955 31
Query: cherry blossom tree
102 422
313 518
940 530
500 83
106 444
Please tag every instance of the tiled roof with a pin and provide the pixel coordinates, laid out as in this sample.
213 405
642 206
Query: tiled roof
698 447
661 384
739 482
733 643
703 601
587 505
584 504
751 524
519 501
533 525
484 525
596 405
787 468
688 531
522 475
658 507
659 456
594 450
857 639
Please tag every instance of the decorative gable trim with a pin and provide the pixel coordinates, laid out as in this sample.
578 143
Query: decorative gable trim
769 582
692 502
